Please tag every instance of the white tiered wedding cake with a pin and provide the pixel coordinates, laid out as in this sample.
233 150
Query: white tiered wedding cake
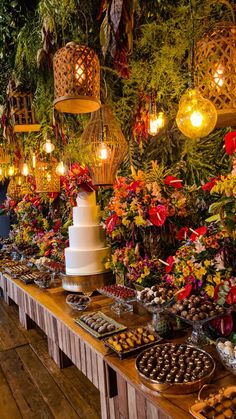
87 250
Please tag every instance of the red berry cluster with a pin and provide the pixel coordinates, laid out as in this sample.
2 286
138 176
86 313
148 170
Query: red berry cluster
119 291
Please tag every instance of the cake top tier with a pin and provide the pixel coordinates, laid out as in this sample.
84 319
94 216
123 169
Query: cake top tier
86 199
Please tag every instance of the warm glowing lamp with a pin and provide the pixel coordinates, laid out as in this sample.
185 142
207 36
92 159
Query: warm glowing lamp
61 169
1 171
34 160
103 151
25 169
48 146
11 171
196 116
156 121
219 76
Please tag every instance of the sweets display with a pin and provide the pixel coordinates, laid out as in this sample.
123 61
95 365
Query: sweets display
87 250
218 406
99 325
17 269
130 341
118 292
43 279
227 353
174 365
197 308
155 296
78 302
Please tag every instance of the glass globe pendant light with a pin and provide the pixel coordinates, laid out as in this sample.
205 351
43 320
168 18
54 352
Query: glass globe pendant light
196 116
25 169
61 169
48 146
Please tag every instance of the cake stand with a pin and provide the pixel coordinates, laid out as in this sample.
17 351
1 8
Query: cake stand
86 284
159 325
120 305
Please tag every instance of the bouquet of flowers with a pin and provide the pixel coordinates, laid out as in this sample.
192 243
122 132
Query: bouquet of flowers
78 178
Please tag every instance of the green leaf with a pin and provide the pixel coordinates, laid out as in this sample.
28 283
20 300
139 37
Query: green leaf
215 217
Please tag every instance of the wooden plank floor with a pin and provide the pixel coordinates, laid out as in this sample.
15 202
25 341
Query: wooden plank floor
31 385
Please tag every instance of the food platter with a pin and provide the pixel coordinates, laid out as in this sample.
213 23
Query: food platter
199 408
118 327
129 352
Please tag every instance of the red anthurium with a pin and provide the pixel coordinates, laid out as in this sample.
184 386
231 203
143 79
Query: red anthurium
170 260
209 185
223 325
134 185
182 233
230 142
111 222
173 181
185 293
231 297
158 215
197 233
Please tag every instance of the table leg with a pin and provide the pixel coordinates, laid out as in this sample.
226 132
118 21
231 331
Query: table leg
25 320
57 355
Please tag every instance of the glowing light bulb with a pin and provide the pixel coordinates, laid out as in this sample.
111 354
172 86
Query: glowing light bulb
103 151
196 116
61 169
156 121
48 177
79 72
25 169
1 171
34 160
48 147
11 171
218 76
196 119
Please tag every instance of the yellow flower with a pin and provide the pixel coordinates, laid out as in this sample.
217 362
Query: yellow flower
139 221
207 263
146 271
217 278
200 272
125 222
210 290
108 265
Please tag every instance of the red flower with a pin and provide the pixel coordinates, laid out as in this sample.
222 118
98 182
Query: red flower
230 142
231 297
56 226
134 185
111 223
170 260
182 233
223 325
209 185
173 181
185 293
197 233
158 215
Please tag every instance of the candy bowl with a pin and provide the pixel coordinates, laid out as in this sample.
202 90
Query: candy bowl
122 295
227 353
78 302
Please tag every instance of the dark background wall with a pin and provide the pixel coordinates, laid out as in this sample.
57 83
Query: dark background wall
4 219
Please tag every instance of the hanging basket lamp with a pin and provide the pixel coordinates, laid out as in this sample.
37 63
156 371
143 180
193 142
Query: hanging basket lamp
215 65
14 189
47 180
107 146
76 79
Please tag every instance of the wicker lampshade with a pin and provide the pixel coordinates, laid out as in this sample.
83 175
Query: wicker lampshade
103 172
22 111
46 177
14 189
76 79
215 64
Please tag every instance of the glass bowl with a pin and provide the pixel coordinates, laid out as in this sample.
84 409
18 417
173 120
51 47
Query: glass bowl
227 354
78 302
43 283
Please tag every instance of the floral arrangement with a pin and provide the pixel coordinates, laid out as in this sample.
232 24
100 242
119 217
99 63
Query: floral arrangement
204 264
78 178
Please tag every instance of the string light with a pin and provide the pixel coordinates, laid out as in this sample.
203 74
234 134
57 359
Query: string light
48 146
25 169
11 171
34 160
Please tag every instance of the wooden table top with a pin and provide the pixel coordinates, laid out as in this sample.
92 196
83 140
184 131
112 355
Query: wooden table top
54 301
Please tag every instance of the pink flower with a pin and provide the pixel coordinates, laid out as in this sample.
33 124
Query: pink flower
158 215
230 142
197 233
173 181
182 233
209 185
170 260
111 223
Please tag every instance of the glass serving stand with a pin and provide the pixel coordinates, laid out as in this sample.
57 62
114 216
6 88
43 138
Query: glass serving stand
198 337
120 305
159 324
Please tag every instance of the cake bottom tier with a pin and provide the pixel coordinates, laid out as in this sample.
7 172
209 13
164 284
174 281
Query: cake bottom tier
85 262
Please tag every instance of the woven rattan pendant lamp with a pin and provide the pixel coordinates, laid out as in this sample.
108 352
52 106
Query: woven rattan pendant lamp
106 144
47 179
215 64
76 79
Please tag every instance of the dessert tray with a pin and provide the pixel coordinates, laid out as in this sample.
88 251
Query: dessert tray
17 270
99 325
175 369
131 341
220 405
227 353
122 296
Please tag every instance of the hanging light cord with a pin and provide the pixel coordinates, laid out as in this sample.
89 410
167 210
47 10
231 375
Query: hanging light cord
192 53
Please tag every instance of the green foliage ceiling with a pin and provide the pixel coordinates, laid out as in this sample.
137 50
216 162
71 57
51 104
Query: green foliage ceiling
154 45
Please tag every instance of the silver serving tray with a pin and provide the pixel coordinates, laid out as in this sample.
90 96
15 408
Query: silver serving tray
119 327
135 350
176 388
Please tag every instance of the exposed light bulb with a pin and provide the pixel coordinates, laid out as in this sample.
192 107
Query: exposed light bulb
34 160
1 171
196 119
218 76
11 171
25 169
61 169
103 151
48 177
79 72
48 146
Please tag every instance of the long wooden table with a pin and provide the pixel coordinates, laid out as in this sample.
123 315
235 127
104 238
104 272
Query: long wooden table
122 395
